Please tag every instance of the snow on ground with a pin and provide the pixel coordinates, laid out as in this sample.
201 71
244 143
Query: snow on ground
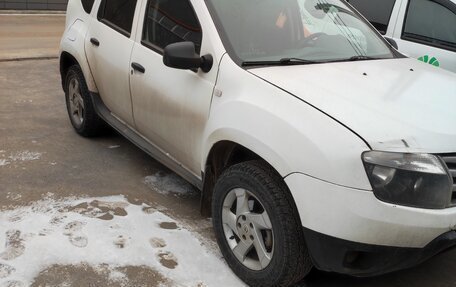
168 183
3 162
13 196
100 231
25 156
18 157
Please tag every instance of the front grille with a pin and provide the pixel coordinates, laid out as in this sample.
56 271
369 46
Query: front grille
450 160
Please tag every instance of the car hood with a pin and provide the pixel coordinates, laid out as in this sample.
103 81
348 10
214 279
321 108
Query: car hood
394 105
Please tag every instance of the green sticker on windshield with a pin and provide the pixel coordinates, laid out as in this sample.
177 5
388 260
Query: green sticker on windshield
433 61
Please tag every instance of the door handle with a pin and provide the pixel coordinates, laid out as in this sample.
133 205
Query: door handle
138 67
95 42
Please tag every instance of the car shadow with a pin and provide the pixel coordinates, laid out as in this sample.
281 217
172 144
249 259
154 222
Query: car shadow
439 271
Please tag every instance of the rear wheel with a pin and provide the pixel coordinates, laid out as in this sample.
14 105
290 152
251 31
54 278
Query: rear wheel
257 226
80 108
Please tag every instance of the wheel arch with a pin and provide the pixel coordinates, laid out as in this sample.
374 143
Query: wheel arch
66 61
224 153
72 50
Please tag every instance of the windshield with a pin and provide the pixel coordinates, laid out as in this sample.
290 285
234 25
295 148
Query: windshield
295 31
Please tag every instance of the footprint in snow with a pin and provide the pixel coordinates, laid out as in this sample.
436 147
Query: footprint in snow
14 246
167 259
149 210
79 241
157 242
57 220
120 241
17 216
74 232
73 227
101 209
6 270
168 225
45 231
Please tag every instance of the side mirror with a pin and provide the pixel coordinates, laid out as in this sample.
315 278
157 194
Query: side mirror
392 42
182 55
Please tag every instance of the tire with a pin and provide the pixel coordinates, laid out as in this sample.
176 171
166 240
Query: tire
81 112
285 260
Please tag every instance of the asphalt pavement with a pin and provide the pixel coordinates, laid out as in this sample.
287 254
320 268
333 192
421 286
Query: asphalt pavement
34 125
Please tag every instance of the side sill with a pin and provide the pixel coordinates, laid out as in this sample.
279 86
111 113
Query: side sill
142 143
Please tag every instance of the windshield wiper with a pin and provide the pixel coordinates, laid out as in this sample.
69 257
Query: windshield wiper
281 62
361 58
288 61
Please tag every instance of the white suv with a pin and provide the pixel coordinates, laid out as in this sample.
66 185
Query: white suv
312 140
423 29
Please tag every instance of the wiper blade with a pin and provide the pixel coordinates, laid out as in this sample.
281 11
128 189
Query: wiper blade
260 63
361 58
281 62
296 61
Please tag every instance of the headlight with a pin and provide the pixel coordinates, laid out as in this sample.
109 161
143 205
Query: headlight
418 180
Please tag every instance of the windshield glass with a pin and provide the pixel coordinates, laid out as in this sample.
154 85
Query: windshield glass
288 31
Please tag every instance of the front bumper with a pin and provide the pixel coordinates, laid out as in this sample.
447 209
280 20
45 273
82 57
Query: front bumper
357 259
350 231
358 216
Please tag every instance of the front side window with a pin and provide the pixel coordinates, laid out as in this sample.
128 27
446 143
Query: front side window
171 21
311 30
378 12
118 13
431 22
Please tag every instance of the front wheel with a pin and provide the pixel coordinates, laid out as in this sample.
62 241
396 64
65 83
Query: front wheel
257 226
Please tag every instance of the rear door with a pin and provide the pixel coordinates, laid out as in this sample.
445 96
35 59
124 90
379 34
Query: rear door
108 47
426 30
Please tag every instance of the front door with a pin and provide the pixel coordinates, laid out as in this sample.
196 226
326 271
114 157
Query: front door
108 48
171 106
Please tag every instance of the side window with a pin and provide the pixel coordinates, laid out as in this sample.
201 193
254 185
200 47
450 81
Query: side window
171 21
431 22
87 5
378 12
118 14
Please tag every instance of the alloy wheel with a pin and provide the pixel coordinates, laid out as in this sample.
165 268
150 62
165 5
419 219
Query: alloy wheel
76 102
248 229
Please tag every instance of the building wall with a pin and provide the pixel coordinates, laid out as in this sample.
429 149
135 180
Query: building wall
33 4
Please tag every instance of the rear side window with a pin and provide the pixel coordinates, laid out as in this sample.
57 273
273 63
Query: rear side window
171 21
87 5
378 12
118 14
431 22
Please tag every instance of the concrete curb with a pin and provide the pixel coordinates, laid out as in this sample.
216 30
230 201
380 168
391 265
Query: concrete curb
31 12
28 59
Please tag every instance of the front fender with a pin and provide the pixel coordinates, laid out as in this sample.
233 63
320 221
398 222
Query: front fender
289 134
